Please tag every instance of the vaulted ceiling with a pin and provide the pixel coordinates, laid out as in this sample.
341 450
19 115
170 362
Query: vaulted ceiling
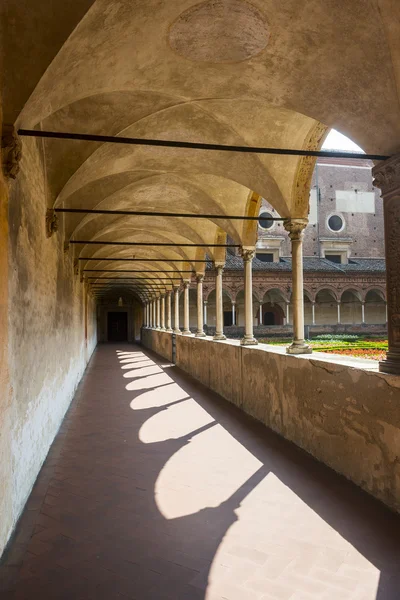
274 73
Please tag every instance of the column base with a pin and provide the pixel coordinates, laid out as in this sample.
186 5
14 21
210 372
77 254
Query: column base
298 348
169 330
391 364
186 332
248 341
162 328
200 334
177 331
219 336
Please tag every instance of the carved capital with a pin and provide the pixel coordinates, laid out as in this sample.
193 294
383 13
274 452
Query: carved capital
186 284
295 227
11 151
51 222
247 254
387 175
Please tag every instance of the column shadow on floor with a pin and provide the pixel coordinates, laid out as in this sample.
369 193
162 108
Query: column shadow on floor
100 532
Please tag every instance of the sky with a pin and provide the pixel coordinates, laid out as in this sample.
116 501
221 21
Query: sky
338 141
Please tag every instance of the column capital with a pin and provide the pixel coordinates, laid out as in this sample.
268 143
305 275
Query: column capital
387 176
219 265
186 284
200 278
11 151
295 227
247 253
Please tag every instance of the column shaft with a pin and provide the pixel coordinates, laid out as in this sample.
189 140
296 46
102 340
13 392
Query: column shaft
338 313
163 312
387 178
219 306
186 329
205 312
295 228
158 312
233 313
248 339
176 309
169 320
200 323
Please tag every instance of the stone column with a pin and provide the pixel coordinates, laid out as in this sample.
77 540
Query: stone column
186 328
144 315
338 313
287 313
219 306
200 323
151 314
387 178
154 314
176 309
248 339
233 312
295 227
386 312
363 313
162 312
313 312
158 326
169 320
260 314
205 312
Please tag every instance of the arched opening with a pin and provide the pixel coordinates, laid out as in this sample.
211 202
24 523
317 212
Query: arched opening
240 313
227 309
375 308
351 307
326 312
273 308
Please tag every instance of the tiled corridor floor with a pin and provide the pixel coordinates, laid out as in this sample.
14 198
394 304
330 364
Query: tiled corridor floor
155 488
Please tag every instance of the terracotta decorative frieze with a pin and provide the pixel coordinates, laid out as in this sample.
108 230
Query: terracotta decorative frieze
51 222
11 151
387 175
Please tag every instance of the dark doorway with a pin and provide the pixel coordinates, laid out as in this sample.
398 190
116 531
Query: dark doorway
117 327
228 318
269 318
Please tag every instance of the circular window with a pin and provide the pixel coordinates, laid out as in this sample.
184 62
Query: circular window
266 220
335 223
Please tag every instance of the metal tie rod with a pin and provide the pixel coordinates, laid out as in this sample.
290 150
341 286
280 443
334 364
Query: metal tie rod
112 139
168 244
147 280
130 271
134 259
148 213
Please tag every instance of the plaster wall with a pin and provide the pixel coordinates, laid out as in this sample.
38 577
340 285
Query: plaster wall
51 336
343 412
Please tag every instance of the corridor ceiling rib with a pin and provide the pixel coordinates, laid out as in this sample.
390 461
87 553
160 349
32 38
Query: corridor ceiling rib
197 145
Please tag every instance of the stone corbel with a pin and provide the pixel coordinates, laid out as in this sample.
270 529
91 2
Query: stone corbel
11 151
51 222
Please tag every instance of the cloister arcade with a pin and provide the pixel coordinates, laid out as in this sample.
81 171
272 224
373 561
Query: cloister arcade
271 307
138 142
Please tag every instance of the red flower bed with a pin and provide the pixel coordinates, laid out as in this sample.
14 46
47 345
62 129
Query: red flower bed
369 353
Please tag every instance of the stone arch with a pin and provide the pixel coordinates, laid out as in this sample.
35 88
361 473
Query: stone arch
375 309
326 301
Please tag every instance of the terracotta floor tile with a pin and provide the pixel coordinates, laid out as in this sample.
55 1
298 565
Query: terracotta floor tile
156 488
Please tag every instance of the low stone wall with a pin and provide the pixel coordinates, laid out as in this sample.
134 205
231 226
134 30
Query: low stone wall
346 416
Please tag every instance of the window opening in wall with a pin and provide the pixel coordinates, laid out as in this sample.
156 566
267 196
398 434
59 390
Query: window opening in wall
265 256
265 220
335 258
335 223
